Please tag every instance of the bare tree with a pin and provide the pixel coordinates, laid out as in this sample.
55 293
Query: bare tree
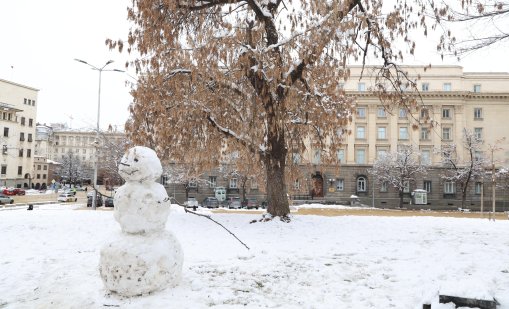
258 75
398 169
71 169
487 22
461 170
110 155
186 175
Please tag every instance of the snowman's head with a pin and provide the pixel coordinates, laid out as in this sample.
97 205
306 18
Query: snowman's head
140 164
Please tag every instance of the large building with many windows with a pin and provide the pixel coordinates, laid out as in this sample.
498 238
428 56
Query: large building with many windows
450 101
18 110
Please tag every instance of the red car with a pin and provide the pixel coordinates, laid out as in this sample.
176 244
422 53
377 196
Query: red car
15 191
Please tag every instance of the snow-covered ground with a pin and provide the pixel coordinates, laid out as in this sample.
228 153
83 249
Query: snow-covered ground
49 259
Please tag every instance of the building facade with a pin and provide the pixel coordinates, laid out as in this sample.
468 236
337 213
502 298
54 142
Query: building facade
18 112
450 101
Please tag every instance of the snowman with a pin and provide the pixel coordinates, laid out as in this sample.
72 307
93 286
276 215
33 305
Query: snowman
144 257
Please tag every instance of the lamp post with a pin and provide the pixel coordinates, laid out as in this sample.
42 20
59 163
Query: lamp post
96 143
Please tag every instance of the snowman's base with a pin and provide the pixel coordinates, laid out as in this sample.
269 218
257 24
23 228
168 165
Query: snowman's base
132 265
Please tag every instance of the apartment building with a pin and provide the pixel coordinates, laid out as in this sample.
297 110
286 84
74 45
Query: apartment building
83 144
18 111
451 100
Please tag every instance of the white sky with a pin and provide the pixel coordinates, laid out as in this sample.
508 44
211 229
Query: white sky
40 39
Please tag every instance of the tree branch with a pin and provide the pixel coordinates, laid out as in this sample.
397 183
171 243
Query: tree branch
205 216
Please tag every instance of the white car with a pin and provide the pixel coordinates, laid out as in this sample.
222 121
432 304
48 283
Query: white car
4 199
67 197
192 202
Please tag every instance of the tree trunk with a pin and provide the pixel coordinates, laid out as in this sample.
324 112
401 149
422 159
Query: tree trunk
275 164
400 198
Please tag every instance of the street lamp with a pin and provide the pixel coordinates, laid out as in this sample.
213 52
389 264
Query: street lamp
96 163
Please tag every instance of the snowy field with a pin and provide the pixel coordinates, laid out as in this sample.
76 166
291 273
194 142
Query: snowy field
49 259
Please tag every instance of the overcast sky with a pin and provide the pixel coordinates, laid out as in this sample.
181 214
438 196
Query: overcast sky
40 39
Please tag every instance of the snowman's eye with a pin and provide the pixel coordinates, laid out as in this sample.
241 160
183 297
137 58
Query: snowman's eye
135 160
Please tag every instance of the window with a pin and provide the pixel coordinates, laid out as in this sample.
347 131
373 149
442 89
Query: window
361 87
3 170
45 167
29 137
425 87
22 121
212 181
164 180
296 158
20 170
361 112
425 157
341 155
4 149
360 156
446 134
43 176
381 153
38 167
29 153
402 113
478 133
381 133
361 132
296 184
38 176
478 187
192 184
21 137
6 132
25 101
20 153
384 186
427 185
424 113
424 134
449 187
403 133
316 156
447 87
254 184
233 183
340 185
406 186
381 113
477 155
477 88
477 113
446 113
361 184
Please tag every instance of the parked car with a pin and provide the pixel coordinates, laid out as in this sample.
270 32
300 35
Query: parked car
4 199
99 201
250 203
13 191
67 197
210 202
192 202
108 202
233 202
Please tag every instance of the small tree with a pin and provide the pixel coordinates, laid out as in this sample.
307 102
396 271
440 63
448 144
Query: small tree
461 170
398 169
71 169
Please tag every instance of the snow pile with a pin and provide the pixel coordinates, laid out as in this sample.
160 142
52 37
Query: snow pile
49 260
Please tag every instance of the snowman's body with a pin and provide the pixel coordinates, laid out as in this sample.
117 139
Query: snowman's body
144 257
